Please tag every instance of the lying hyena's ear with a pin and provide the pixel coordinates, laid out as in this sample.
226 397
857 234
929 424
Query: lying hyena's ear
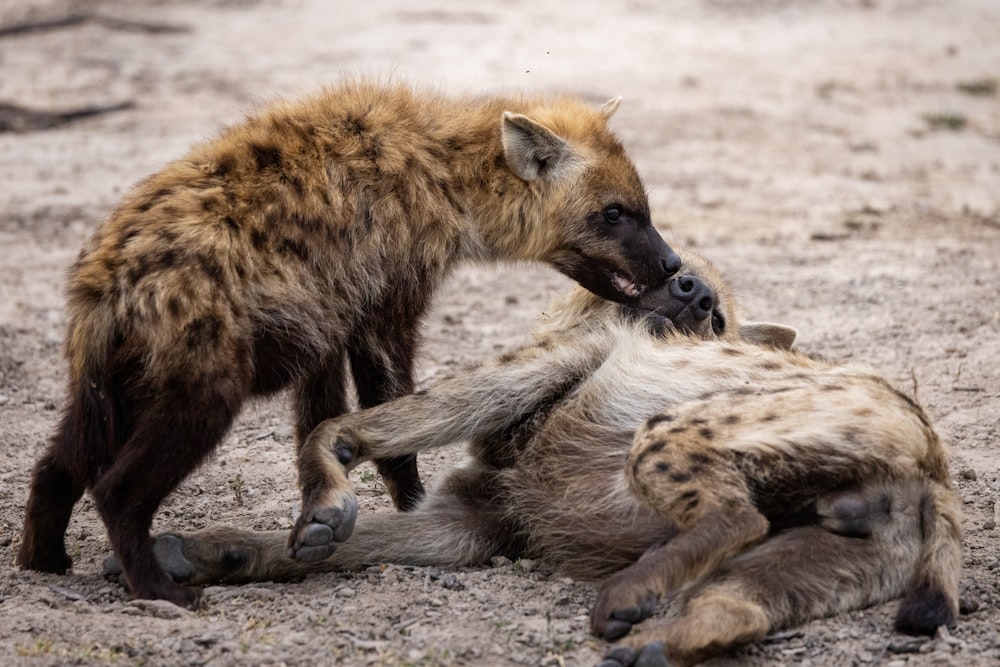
532 150
767 333
609 108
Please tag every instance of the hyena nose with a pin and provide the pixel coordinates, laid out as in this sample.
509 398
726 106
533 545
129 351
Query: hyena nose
691 290
670 264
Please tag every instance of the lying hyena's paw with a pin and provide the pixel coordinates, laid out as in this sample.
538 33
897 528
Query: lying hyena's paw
650 655
619 606
169 552
191 559
323 521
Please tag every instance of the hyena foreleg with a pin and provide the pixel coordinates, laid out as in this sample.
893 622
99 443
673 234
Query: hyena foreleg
473 406
382 367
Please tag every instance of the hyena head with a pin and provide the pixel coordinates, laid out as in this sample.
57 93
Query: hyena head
696 301
594 225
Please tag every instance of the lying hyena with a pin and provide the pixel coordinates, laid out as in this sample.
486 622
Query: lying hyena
668 449
302 242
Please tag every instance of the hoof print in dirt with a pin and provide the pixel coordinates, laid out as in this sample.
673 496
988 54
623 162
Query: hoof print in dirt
651 655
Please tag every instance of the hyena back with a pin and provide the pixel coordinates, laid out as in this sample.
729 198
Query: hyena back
304 242
756 487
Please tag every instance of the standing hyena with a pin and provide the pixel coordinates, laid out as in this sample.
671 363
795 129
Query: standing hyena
305 240
755 487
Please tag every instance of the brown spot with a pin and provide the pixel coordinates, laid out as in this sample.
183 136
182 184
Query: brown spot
507 357
732 351
731 419
203 332
258 238
154 199
657 419
699 457
832 387
706 433
174 306
680 477
662 466
266 157
295 247
770 365
210 267
128 236
678 429
689 494
692 504
224 165
656 446
139 268
769 417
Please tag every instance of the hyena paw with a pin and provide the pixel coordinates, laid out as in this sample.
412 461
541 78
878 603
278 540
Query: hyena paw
169 552
650 655
320 525
619 606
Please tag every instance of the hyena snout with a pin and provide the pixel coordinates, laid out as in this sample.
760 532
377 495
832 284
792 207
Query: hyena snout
664 261
696 298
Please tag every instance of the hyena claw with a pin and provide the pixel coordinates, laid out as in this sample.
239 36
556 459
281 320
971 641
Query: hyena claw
316 530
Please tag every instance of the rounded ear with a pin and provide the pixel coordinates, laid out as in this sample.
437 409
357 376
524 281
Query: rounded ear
609 108
531 150
768 333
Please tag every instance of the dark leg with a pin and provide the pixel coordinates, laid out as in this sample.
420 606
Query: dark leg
382 374
321 396
54 492
170 439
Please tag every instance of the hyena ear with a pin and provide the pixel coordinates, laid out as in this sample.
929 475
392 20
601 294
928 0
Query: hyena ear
531 150
609 108
768 333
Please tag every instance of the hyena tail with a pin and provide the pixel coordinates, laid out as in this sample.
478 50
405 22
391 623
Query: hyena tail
91 432
931 597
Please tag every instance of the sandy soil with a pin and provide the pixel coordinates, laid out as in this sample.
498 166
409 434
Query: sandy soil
840 160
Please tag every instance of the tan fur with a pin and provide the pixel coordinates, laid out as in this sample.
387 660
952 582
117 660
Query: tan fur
756 487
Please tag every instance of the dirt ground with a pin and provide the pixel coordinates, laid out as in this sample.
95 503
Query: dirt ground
840 161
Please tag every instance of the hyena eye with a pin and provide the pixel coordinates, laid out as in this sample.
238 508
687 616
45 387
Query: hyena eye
612 213
718 323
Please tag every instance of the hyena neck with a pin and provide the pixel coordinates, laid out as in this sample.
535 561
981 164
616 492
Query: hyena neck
502 216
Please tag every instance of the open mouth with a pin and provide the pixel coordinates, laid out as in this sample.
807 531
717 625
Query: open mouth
625 286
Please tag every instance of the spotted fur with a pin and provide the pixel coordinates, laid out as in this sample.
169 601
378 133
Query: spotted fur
754 487
299 246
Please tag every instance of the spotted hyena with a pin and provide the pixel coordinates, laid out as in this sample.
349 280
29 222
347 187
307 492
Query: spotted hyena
299 245
667 449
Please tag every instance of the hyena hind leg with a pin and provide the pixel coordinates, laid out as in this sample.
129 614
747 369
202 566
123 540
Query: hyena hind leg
167 443
822 573
54 492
